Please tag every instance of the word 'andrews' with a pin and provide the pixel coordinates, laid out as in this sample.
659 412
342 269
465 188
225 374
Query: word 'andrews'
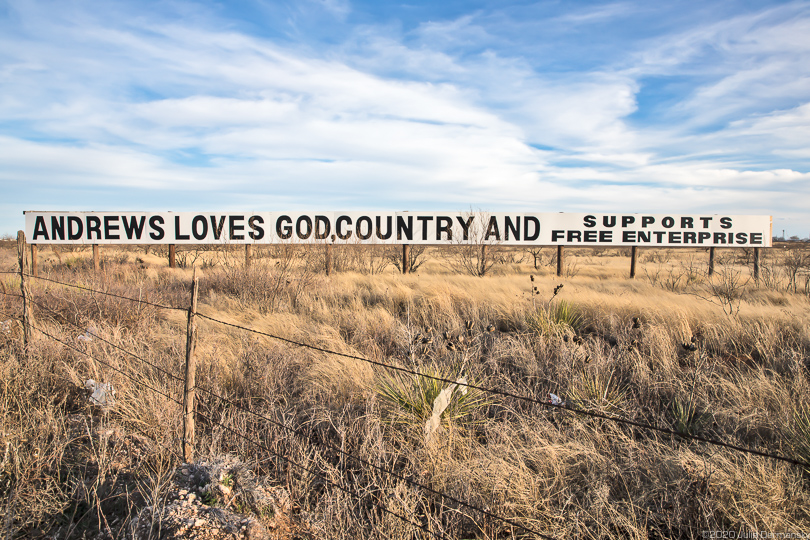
446 228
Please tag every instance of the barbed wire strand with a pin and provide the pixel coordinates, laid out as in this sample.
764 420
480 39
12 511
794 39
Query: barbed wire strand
528 399
323 477
106 293
125 374
377 467
96 336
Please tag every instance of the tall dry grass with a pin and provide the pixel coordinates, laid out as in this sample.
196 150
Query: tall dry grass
688 364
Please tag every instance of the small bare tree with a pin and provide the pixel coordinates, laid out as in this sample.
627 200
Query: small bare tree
475 255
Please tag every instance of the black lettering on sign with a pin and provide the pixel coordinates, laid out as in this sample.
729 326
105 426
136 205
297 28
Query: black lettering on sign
589 221
133 227
643 236
199 234
444 224
57 227
658 236
492 229
725 222
756 238
742 238
536 233
674 237
609 221
465 226
40 228
237 227
719 238
647 220
74 234
514 228
627 220
256 229
703 236
93 226
557 235
156 223
303 234
606 236
590 236
574 235
217 227
177 235
389 225
705 221
668 222
690 237
359 228
322 227
686 223
341 220
424 221
110 226
628 236
402 227
284 227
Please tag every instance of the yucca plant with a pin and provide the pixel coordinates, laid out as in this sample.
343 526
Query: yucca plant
408 399
597 392
687 420
561 317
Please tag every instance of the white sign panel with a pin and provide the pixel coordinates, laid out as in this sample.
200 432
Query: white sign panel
513 229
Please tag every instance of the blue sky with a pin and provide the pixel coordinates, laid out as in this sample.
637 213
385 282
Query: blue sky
680 107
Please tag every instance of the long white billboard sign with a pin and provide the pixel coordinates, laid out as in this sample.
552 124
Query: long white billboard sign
515 229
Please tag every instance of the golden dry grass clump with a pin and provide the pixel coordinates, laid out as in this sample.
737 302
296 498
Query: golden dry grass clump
721 357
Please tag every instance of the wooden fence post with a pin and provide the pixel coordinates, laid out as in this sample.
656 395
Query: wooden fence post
328 256
560 257
633 259
248 250
27 320
34 261
756 264
406 254
96 259
190 379
172 256
711 261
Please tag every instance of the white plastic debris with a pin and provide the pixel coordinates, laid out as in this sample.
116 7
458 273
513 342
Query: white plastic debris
103 395
554 399
5 326
88 334
440 404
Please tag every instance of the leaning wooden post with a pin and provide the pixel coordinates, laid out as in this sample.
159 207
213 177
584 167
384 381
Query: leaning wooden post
406 255
34 261
560 256
328 256
756 264
172 256
96 260
248 254
27 320
633 259
190 379
711 261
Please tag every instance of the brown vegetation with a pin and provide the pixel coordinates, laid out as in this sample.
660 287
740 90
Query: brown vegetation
722 357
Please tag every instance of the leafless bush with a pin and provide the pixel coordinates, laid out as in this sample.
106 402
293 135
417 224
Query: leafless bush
477 255
416 256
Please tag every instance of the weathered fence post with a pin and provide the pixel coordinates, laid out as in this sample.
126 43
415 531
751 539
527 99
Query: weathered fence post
328 257
406 255
560 257
172 256
483 269
756 264
190 379
27 320
34 261
633 259
248 254
711 261
96 259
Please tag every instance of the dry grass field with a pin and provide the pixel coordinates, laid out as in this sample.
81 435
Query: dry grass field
724 358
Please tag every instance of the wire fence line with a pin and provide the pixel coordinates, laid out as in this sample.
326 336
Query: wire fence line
348 455
488 390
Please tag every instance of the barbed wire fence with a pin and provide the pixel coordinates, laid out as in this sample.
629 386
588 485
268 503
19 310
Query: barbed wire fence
190 389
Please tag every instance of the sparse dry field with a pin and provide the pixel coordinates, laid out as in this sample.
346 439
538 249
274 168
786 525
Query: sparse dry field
71 471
